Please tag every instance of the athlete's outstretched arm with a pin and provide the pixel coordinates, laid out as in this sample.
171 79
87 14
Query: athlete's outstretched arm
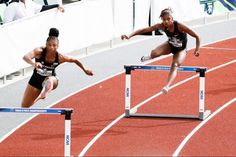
141 31
68 59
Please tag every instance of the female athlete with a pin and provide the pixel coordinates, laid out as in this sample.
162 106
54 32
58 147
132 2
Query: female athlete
176 44
44 77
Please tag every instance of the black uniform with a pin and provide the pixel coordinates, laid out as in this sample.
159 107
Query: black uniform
47 70
177 40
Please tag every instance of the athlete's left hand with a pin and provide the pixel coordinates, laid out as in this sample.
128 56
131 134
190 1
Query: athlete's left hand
196 53
61 8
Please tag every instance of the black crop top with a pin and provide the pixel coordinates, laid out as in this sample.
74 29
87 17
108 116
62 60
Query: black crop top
176 38
48 69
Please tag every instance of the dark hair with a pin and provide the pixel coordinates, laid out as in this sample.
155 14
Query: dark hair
53 34
167 11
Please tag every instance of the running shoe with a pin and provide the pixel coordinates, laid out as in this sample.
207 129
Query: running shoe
145 58
165 90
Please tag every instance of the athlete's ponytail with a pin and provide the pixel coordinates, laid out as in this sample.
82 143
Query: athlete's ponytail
53 34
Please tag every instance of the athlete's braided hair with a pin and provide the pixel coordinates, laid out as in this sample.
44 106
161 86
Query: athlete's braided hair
53 34
166 11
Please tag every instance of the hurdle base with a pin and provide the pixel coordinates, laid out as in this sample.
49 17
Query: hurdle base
127 113
204 115
201 116
132 111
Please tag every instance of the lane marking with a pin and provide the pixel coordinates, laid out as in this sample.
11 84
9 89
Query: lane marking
142 103
17 127
219 48
100 134
56 102
187 138
63 98
181 82
73 93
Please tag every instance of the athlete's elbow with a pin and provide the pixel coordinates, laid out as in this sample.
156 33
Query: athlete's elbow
25 57
197 37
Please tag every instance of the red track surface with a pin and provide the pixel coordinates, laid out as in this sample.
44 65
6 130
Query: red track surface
99 105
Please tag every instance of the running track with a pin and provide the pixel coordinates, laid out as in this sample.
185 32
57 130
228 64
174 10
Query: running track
97 106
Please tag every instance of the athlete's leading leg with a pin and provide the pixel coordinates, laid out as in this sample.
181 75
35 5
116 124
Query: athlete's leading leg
31 93
162 49
49 84
178 59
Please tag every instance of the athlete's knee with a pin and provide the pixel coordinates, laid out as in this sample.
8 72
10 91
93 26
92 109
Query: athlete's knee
55 84
154 54
175 65
26 104
54 81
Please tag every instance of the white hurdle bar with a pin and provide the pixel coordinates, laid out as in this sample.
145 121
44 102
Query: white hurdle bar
61 111
201 70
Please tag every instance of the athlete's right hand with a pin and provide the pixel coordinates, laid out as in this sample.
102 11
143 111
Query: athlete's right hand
38 65
88 72
124 37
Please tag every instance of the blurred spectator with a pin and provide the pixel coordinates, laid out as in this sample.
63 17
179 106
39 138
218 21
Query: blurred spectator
18 9
3 5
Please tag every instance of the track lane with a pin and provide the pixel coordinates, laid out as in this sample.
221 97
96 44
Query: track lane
150 137
223 151
135 142
98 106
216 138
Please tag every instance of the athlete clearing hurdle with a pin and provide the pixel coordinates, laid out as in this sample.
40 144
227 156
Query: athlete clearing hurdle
176 44
44 77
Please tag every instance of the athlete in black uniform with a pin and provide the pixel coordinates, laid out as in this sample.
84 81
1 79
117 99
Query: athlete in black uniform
176 39
176 44
47 70
44 77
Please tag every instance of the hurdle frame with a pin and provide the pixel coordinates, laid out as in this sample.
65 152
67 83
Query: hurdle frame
203 114
61 111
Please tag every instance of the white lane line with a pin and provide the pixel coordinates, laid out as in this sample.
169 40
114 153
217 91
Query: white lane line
181 82
180 147
63 98
139 105
100 134
219 48
17 127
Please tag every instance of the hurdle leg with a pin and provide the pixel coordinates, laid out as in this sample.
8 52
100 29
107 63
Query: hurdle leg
67 132
127 91
202 113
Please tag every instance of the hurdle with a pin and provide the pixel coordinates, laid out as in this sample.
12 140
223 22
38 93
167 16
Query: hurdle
201 70
56 111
